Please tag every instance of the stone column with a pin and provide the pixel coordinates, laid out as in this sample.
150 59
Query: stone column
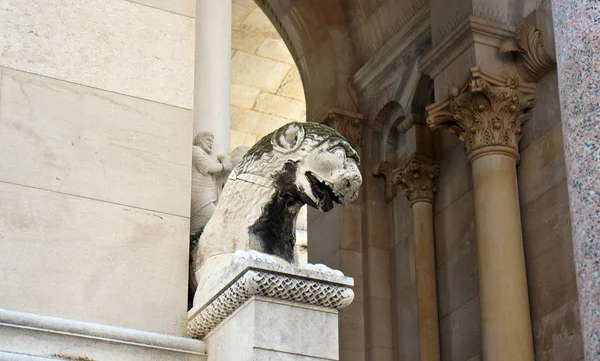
577 32
418 178
212 71
487 114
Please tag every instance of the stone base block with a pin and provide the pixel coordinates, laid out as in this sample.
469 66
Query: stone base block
265 329
25 336
256 309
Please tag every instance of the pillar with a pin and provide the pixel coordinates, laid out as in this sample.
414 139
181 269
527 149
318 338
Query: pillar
212 71
487 114
577 32
418 178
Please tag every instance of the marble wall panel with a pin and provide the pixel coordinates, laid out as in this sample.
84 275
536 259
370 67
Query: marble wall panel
402 217
181 7
380 315
285 327
551 279
460 333
113 45
542 165
407 324
323 235
546 113
557 335
351 229
83 259
457 279
455 178
405 264
454 228
78 140
546 221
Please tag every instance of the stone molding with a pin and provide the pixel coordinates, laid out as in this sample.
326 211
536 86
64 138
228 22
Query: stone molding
253 274
417 178
348 124
419 23
93 332
487 113
532 59
471 30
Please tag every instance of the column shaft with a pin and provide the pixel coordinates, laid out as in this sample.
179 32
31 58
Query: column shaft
504 301
429 345
212 74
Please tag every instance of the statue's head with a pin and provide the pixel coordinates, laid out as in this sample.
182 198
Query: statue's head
205 141
308 159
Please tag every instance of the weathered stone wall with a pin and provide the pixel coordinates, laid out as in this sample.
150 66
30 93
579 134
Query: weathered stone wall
546 235
546 222
544 214
266 89
95 130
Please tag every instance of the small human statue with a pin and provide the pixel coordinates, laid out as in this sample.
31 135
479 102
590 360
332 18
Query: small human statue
207 170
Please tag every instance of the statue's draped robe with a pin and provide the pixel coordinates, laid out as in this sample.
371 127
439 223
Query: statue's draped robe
205 188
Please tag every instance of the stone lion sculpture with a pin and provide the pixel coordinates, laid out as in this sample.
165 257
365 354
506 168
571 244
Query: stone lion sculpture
300 163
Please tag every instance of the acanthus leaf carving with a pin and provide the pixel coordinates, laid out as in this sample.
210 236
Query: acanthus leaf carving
417 177
533 60
348 124
487 111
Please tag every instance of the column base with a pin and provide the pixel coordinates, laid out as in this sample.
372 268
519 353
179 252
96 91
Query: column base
257 310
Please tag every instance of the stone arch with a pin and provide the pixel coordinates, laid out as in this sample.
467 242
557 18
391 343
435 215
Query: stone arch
318 40
385 130
423 95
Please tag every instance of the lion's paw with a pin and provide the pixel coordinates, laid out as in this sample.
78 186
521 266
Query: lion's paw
323 269
252 255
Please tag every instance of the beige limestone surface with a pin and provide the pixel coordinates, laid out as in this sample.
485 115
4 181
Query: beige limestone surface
31 337
113 45
77 140
266 89
105 45
94 203
88 260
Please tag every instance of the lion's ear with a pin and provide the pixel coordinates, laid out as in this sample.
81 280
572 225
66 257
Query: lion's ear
288 138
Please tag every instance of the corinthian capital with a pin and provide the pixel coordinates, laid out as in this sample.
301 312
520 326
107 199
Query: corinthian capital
417 177
487 113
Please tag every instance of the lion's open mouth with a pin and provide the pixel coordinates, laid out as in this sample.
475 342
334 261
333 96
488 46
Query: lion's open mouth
323 191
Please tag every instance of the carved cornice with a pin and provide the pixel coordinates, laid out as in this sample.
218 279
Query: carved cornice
486 113
404 20
416 177
473 30
533 61
392 50
348 124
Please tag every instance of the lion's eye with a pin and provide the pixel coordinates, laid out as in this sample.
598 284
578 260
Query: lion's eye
339 151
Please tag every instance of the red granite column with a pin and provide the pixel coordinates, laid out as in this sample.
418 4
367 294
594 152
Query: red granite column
577 32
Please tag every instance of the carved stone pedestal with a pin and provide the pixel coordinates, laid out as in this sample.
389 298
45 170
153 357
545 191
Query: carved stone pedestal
256 309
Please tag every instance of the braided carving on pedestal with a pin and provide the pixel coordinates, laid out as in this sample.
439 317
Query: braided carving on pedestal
273 285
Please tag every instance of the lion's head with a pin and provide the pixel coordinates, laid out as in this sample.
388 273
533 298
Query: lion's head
310 160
